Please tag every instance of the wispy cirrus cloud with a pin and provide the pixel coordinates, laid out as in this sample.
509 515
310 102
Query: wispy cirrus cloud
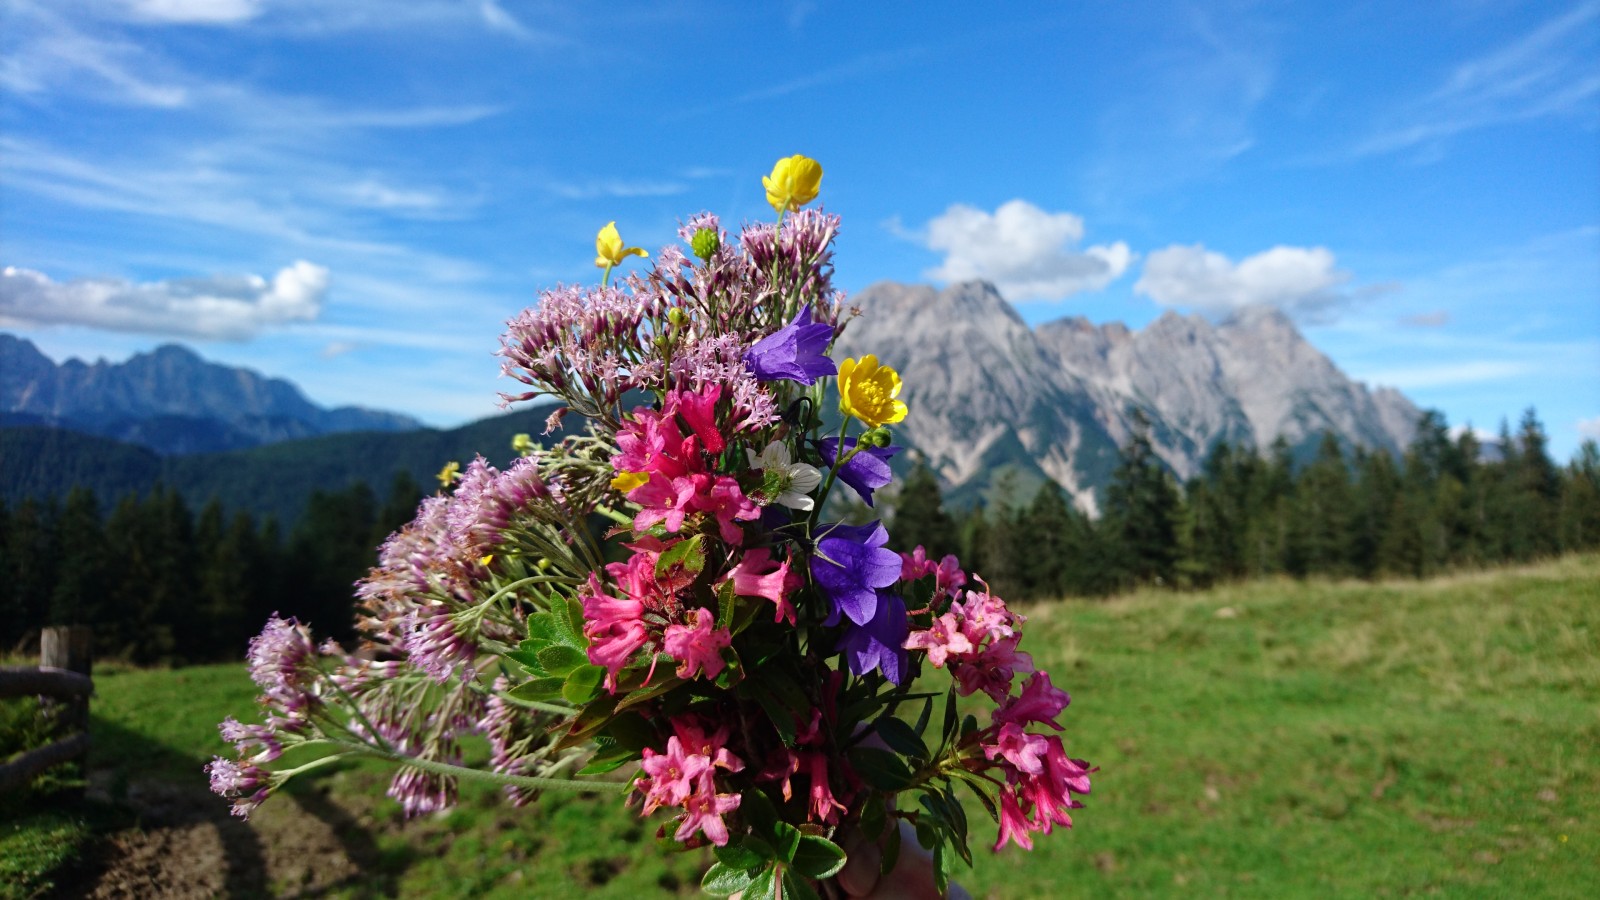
216 308
1546 72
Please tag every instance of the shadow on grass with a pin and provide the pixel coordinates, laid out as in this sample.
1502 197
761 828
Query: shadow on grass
143 793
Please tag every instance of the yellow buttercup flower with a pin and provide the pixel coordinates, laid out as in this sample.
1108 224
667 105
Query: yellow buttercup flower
608 248
522 443
794 182
627 481
868 391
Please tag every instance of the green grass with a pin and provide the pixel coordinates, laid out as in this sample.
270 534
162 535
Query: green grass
1267 740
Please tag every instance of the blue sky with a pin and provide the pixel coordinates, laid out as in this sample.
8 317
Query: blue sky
356 194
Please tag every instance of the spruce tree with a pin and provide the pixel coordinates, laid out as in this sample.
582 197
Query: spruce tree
919 516
1141 511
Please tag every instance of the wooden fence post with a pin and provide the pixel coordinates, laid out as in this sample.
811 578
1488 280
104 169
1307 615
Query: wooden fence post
70 647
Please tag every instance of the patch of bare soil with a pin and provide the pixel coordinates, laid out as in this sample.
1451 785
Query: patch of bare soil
185 844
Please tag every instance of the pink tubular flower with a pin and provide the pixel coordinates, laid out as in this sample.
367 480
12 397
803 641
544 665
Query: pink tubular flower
697 647
948 577
943 638
985 616
1014 826
691 732
757 575
665 500
726 502
1040 701
672 775
703 812
615 630
824 808
1019 748
992 670
916 564
699 409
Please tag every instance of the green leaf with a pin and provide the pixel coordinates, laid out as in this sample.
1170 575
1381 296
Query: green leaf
979 788
788 840
560 659
901 738
941 869
781 716
738 856
818 857
764 886
608 760
798 887
589 720
726 601
922 720
688 555
872 816
757 808
529 660
891 850
950 716
631 730
722 881
582 684
880 768
538 690
640 695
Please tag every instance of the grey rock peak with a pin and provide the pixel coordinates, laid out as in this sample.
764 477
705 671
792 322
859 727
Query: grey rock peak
988 391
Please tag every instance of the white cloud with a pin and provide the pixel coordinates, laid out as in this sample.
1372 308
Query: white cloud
196 12
1589 428
220 307
1026 252
1301 281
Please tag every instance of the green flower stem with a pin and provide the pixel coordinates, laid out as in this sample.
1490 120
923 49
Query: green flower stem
527 781
840 458
613 515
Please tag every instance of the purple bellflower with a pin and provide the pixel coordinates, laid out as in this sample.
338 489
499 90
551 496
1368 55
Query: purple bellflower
866 471
851 564
879 644
794 352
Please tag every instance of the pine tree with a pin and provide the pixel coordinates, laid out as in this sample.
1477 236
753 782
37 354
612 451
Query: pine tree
919 516
1046 530
1580 500
79 595
1323 511
1141 509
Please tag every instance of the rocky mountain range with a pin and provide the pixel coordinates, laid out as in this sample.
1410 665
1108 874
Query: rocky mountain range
169 400
991 395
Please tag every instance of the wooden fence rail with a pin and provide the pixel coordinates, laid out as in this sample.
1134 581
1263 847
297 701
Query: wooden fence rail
64 673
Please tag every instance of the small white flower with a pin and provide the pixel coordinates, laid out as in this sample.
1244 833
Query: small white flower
792 481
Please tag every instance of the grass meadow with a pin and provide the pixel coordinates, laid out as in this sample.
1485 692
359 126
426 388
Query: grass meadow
1273 739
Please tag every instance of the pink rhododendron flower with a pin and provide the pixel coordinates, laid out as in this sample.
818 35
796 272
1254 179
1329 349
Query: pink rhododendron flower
757 575
699 409
703 812
1014 826
1019 748
1040 701
992 670
672 775
725 502
943 637
698 648
615 630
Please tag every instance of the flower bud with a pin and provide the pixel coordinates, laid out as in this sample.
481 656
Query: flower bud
677 318
877 437
705 243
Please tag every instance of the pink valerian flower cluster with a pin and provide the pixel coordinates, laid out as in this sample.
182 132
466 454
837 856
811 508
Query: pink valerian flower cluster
283 664
244 783
586 345
684 776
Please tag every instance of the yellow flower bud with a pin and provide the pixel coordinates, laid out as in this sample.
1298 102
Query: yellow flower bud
794 182
449 474
522 443
608 248
868 391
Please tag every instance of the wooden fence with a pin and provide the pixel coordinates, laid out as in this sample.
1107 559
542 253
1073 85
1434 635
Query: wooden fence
63 674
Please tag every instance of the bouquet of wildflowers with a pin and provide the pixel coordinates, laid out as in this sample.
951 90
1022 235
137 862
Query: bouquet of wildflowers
660 607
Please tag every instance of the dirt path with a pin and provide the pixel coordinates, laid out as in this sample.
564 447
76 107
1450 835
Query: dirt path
185 844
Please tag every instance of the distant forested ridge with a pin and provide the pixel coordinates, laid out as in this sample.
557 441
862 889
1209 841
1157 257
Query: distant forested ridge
164 578
273 481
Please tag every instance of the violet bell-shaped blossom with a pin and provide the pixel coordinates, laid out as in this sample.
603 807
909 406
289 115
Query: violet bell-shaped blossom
866 471
795 352
879 642
851 564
